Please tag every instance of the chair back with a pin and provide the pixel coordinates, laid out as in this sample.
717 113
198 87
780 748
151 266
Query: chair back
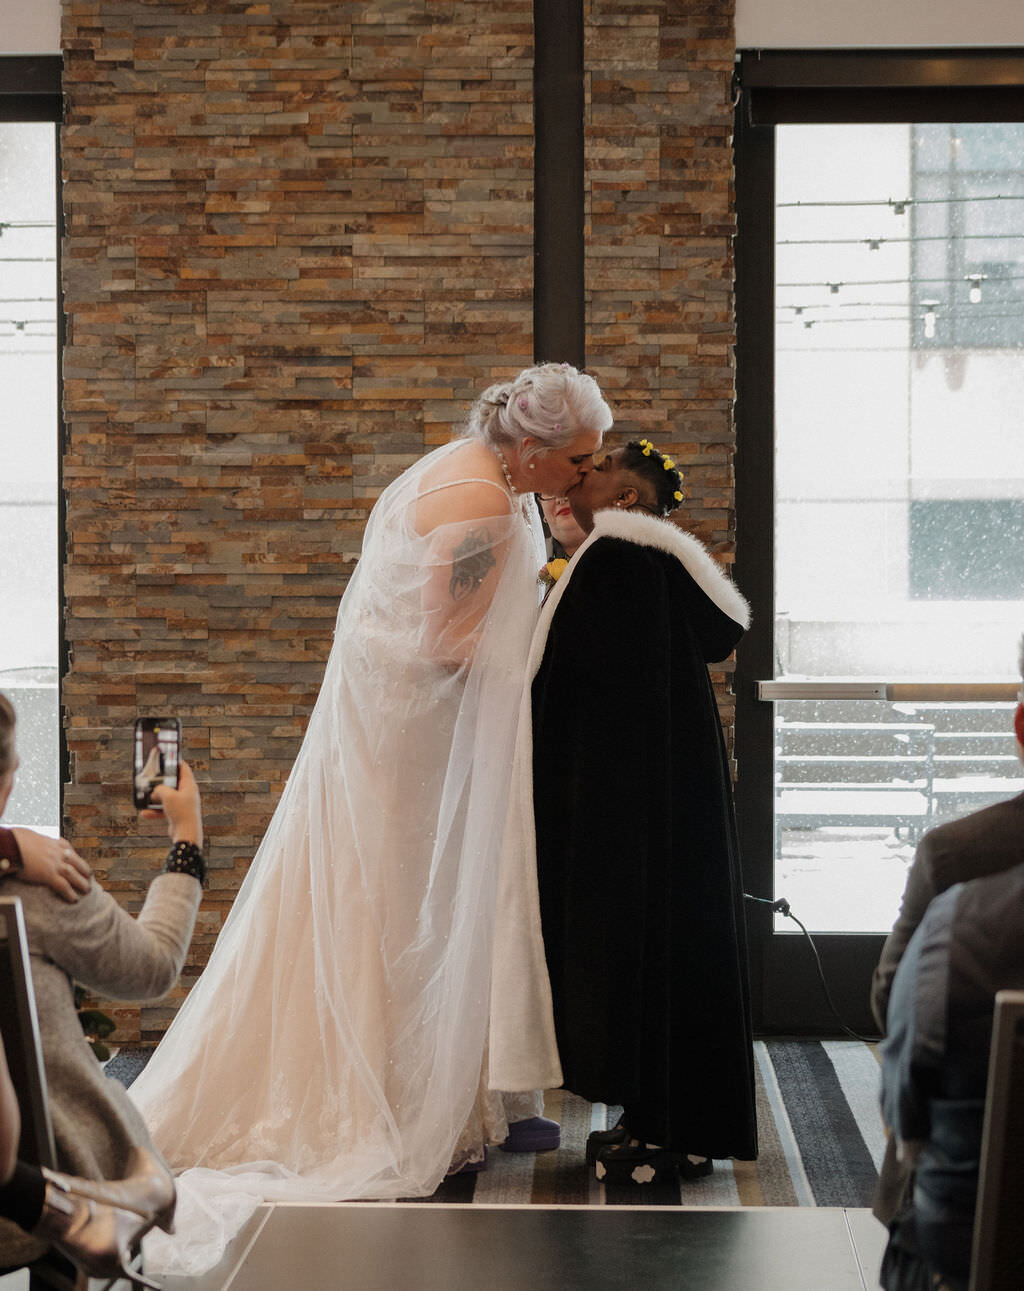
997 1258
19 1026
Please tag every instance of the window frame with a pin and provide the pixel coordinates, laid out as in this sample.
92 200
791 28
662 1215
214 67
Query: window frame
31 93
783 87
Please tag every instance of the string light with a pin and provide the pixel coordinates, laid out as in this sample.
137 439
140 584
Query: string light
874 319
904 282
898 206
930 237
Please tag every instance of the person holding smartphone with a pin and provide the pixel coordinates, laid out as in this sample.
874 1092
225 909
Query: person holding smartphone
98 1132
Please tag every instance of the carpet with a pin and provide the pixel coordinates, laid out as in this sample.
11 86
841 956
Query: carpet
821 1141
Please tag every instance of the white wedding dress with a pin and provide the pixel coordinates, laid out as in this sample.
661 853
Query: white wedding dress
335 1046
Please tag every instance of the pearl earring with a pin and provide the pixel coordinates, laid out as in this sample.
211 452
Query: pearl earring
530 465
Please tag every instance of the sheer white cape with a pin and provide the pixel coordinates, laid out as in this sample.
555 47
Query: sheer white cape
335 1046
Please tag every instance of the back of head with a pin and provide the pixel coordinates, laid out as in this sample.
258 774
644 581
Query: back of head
658 471
550 403
6 735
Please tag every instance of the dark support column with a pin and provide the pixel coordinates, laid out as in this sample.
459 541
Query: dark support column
559 333
754 569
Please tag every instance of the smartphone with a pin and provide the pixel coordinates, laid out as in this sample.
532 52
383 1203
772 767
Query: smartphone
156 759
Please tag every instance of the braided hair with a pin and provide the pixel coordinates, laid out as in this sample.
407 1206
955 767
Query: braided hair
661 472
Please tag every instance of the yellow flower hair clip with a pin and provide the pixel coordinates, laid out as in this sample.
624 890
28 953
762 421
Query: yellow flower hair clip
668 463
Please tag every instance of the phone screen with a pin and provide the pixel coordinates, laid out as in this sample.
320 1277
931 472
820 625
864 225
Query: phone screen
157 757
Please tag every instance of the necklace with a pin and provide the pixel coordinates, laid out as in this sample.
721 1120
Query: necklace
506 472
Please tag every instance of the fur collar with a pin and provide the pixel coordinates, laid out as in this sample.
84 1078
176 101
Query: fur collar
647 531
652 531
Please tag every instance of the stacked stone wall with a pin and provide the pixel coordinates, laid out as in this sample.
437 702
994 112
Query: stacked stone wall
659 249
299 239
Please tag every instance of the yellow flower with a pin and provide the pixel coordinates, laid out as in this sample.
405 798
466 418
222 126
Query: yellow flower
678 496
553 571
668 463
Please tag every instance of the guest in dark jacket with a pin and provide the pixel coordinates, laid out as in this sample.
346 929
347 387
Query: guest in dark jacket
639 884
986 842
957 941
969 945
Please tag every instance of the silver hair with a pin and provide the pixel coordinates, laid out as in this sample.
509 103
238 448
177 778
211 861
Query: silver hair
551 403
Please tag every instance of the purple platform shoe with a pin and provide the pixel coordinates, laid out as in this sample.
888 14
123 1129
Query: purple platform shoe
535 1134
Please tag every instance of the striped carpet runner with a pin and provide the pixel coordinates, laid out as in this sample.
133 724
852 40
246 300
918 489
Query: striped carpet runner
821 1141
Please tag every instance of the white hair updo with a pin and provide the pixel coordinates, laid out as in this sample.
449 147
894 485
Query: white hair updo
551 403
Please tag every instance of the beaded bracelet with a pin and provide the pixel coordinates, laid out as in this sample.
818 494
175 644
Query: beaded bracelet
186 858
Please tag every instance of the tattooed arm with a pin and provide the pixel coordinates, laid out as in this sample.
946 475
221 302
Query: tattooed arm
467 560
472 560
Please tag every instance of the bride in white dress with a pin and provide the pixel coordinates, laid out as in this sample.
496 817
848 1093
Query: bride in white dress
335 1046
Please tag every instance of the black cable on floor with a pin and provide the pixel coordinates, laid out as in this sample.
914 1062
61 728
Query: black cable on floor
781 906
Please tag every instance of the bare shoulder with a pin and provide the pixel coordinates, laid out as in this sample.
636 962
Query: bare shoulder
466 485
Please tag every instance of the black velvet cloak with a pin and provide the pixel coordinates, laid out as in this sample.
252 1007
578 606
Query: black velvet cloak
640 890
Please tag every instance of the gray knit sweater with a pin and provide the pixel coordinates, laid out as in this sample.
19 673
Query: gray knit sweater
97 943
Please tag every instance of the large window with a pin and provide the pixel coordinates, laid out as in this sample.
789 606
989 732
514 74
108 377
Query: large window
29 559
880 485
899 501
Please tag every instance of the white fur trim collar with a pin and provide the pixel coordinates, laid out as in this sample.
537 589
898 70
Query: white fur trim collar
647 531
652 531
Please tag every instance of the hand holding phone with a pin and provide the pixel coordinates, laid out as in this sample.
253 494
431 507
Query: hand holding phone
180 808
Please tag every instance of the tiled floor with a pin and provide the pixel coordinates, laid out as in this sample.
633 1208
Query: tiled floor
408 1247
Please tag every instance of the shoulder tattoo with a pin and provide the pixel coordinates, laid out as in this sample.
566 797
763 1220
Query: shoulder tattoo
472 561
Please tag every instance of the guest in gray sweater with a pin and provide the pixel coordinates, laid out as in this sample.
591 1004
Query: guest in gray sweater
98 1132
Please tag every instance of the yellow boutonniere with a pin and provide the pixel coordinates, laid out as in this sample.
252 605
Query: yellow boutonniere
553 571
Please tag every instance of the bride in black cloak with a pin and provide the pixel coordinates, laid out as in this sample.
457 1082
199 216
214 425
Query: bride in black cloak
634 908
